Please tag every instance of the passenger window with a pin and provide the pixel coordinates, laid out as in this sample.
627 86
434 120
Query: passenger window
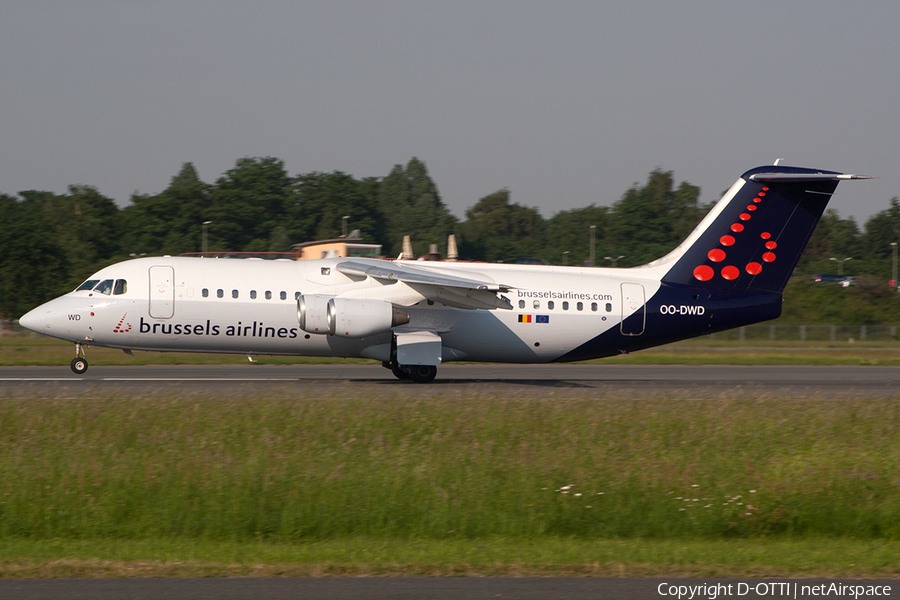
565 306
205 293
580 306
521 304
234 293
121 287
608 307
220 293
537 304
594 306
268 295
284 295
550 305
253 294
296 295
104 287
87 285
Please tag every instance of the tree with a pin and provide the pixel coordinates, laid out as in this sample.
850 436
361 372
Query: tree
833 237
248 203
321 200
497 231
34 265
411 205
170 222
649 221
569 231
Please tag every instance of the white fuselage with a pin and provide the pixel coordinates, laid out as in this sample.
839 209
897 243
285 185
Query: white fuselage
249 306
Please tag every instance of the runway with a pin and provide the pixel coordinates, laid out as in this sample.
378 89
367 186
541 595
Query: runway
436 588
457 379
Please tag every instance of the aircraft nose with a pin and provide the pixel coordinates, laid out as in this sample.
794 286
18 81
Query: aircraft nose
34 319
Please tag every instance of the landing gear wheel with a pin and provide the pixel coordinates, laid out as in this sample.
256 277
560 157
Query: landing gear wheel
422 373
399 372
79 365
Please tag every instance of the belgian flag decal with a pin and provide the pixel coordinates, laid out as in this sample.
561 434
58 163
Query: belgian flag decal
534 318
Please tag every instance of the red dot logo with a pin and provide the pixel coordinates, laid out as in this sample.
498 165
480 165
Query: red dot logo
765 189
744 217
768 257
704 273
771 245
751 207
754 268
730 272
716 255
765 235
726 240
757 199
761 194
737 228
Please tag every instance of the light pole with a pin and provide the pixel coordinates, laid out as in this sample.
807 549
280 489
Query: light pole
614 261
205 245
840 263
894 262
565 257
593 233
344 225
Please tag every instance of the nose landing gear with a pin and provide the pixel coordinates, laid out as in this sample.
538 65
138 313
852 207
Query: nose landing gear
79 364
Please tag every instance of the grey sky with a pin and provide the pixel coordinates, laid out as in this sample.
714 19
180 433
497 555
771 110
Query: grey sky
564 103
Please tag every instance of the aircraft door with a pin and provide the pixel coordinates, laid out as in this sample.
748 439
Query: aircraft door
162 292
634 309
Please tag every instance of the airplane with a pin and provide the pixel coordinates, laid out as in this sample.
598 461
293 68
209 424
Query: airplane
413 316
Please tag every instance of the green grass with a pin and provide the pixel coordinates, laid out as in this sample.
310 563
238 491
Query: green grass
24 350
572 483
750 355
168 557
323 468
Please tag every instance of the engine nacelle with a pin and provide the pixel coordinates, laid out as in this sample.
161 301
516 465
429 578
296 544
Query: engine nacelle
351 317
312 313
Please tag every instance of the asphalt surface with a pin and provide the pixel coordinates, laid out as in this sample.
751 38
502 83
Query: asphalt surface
421 587
838 382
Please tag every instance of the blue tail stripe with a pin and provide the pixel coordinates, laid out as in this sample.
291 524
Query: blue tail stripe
786 215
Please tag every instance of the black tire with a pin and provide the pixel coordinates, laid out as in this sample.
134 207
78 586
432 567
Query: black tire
79 365
422 373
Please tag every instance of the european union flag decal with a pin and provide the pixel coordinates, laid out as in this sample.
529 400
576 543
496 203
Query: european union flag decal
542 318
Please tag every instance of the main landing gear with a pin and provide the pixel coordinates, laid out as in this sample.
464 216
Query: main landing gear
79 364
418 373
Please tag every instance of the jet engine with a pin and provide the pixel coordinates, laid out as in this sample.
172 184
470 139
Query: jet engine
350 317
312 312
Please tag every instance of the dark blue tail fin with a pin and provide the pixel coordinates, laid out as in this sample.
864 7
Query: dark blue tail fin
753 238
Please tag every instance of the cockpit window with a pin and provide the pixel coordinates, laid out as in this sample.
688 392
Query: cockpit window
87 285
120 288
104 287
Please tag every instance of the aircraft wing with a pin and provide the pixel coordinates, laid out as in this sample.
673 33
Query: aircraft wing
452 290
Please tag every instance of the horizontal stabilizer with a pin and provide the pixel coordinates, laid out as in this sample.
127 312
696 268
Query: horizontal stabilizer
799 177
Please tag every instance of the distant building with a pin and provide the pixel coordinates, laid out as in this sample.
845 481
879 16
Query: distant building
351 245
